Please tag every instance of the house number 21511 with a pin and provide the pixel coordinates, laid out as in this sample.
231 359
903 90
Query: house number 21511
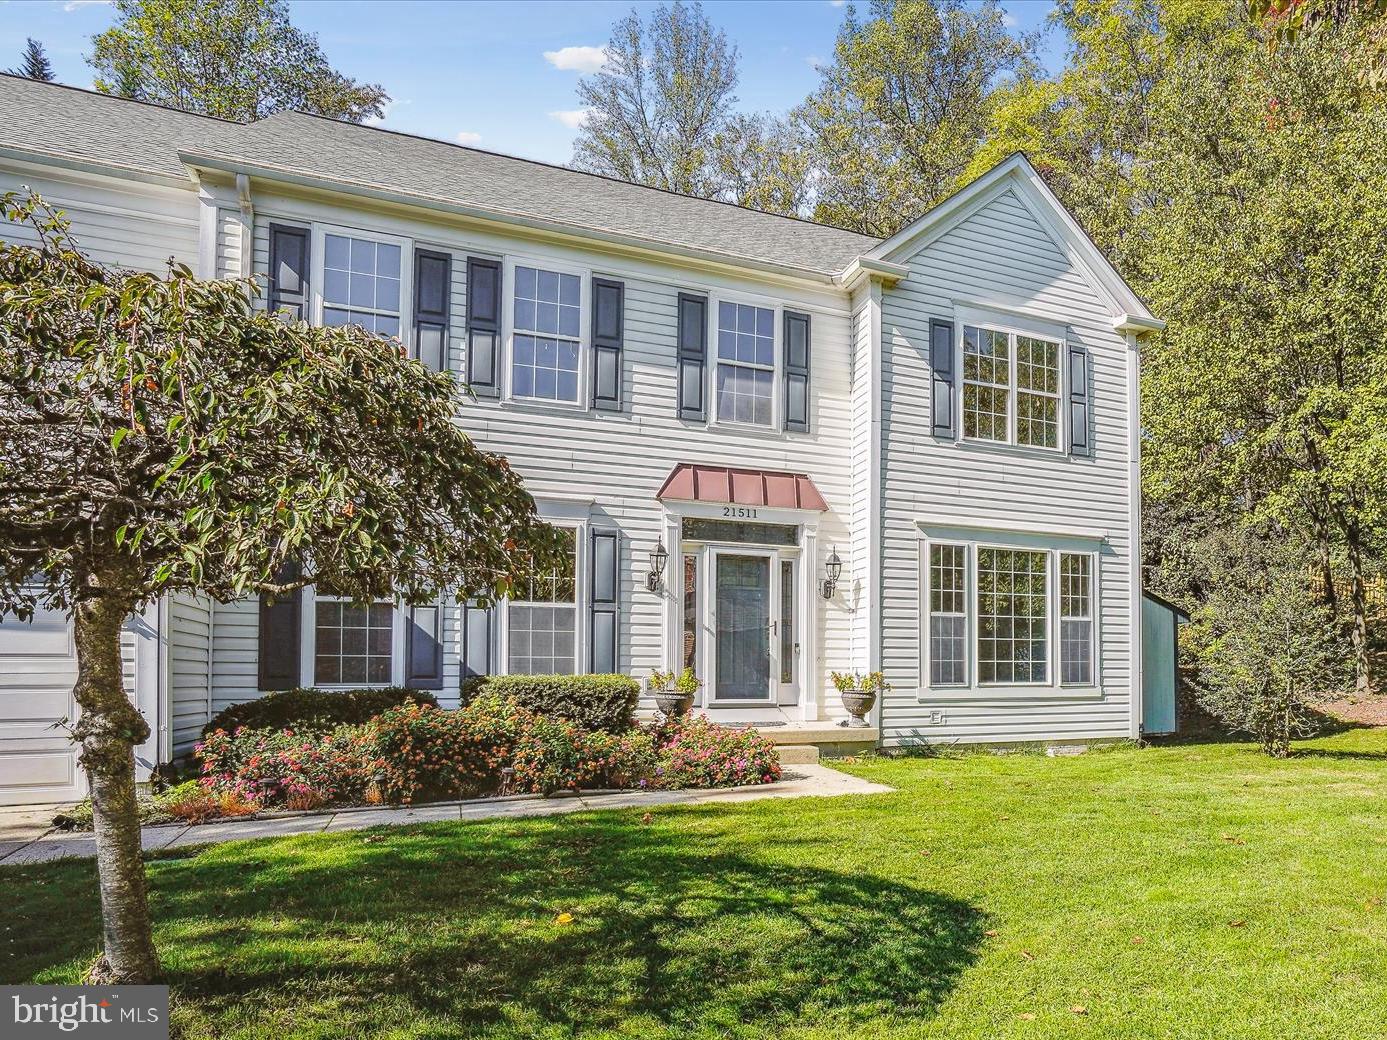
740 512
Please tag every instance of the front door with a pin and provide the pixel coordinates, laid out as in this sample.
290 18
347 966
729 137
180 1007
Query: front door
745 655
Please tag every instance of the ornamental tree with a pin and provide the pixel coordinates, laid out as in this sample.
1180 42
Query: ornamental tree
160 435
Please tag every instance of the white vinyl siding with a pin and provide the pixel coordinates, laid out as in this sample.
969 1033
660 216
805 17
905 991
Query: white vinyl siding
609 465
998 258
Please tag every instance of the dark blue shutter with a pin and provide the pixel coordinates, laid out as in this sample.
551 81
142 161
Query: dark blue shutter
424 647
693 357
280 635
608 318
606 582
1079 443
484 326
433 273
476 640
288 288
941 363
796 372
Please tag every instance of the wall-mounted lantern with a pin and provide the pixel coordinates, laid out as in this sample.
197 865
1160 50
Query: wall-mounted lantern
658 558
833 568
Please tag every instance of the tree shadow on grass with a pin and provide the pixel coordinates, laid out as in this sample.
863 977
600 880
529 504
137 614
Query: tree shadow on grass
673 931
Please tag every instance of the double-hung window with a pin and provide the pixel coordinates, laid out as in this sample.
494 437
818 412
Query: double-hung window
1009 616
948 615
352 642
546 333
362 283
1076 618
1011 388
744 377
542 619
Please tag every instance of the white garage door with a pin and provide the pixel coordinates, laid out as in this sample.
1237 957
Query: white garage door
38 666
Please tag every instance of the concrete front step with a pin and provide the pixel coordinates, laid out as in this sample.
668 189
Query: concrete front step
797 754
825 739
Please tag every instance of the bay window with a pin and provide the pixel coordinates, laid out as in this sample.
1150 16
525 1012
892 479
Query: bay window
1011 388
999 615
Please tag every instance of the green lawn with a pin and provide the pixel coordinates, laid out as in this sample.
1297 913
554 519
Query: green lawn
1185 891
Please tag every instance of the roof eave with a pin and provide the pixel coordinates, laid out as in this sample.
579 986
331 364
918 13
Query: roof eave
866 268
1137 323
100 167
196 161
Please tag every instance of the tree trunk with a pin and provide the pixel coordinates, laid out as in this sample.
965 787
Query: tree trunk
1358 602
109 730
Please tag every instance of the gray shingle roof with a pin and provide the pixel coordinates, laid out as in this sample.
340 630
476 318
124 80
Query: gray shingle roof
80 124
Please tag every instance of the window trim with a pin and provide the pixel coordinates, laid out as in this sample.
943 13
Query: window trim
318 254
776 367
1012 326
308 643
972 689
582 648
509 262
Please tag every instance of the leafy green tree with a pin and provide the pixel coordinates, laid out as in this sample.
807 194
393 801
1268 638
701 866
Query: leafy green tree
1094 130
161 436
35 64
657 106
1268 256
234 59
761 162
1268 651
904 106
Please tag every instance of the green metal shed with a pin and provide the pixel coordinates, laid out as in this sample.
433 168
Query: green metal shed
1160 671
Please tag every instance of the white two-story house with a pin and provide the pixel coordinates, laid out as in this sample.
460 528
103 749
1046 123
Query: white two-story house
782 449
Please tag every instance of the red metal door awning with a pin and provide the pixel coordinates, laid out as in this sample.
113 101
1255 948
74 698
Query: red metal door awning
774 489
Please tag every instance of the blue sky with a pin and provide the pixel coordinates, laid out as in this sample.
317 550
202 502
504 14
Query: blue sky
478 72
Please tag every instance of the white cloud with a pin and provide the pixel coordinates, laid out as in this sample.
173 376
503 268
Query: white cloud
577 59
573 118
1010 20
74 5
468 137
814 62
836 3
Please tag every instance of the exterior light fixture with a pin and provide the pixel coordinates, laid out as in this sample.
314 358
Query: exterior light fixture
658 558
834 569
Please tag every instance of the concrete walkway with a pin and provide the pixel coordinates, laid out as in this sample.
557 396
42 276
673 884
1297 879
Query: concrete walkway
24 840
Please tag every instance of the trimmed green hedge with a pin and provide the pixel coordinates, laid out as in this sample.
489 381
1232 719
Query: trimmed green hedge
309 709
594 702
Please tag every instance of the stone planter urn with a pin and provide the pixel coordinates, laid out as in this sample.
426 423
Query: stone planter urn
858 703
859 693
673 696
672 703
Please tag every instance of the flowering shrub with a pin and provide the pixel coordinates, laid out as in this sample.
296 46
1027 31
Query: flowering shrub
279 767
415 752
426 752
552 755
693 752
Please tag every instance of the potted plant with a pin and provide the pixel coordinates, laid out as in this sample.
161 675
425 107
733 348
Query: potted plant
859 693
673 694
